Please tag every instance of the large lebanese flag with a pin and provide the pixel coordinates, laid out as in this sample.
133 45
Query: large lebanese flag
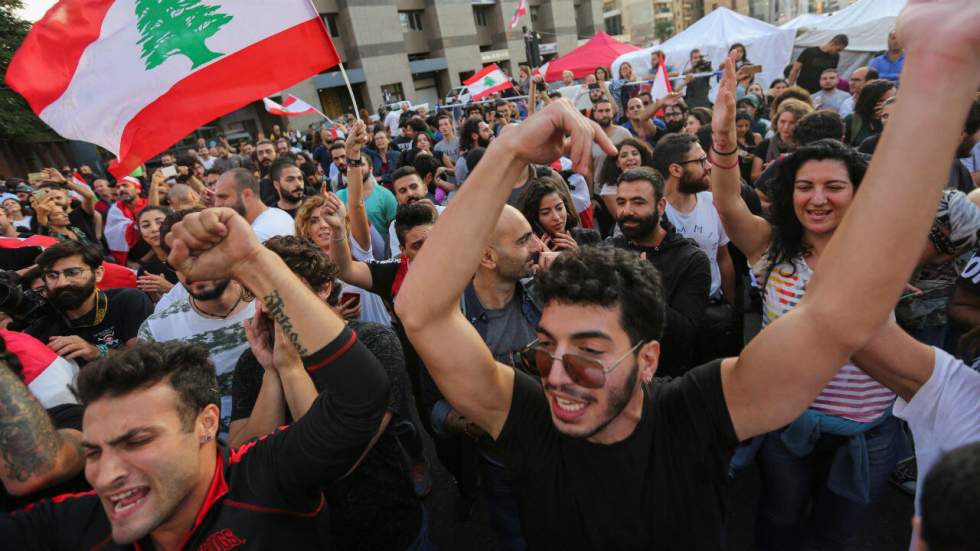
136 76
489 80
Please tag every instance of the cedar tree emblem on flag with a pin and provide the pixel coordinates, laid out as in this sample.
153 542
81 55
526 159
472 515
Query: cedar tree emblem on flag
168 28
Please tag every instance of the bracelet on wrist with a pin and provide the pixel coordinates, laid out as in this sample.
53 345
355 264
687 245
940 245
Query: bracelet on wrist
712 160
722 153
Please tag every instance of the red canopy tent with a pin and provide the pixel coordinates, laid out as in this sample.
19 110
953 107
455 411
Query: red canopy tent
601 49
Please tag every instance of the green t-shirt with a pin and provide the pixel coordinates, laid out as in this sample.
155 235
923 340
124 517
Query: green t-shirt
381 206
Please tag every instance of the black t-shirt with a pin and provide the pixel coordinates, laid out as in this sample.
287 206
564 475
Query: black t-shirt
65 416
663 487
156 266
383 274
375 506
127 310
814 61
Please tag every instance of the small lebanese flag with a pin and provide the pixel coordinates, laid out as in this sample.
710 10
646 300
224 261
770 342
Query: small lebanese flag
292 107
79 180
520 12
661 84
173 66
489 80
47 374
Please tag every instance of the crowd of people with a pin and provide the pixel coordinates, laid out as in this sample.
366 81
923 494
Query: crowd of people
601 309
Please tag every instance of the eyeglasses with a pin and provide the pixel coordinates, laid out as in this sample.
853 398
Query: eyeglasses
69 273
674 115
583 371
703 161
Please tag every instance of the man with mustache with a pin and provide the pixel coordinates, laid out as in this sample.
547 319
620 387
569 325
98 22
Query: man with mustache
265 155
238 189
86 323
290 184
121 232
409 188
684 268
686 172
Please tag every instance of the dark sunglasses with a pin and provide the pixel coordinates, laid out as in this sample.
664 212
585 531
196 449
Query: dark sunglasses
585 372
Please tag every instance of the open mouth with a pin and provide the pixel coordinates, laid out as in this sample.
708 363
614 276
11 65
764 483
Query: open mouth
567 409
125 503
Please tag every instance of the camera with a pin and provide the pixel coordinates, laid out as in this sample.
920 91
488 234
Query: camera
25 307
702 66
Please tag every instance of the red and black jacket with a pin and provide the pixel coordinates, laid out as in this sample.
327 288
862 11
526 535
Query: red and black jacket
264 495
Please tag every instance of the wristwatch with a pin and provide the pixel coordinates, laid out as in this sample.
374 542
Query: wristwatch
355 162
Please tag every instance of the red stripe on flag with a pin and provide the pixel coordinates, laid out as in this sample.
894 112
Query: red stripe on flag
479 76
498 88
45 64
224 86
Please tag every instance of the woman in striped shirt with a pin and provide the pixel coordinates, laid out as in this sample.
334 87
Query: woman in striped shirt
822 473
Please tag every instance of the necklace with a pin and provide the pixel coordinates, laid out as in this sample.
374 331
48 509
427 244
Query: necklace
101 307
241 296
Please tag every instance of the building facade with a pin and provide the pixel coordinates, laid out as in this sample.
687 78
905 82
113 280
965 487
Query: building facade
419 50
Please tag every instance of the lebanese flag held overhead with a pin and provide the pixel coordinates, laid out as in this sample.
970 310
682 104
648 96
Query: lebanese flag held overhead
292 107
520 12
489 80
661 84
136 76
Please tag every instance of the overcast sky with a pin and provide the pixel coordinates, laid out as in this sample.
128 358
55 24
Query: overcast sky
34 9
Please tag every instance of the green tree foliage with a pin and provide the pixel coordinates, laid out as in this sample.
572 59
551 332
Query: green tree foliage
177 27
17 122
664 29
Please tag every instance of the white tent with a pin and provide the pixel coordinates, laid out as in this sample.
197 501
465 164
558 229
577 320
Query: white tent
804 21
866 24
713 34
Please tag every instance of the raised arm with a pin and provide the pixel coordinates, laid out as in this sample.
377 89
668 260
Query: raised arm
750 233
339 426
33 455
88 196
879 242
476 385
153 195
352 271
360 226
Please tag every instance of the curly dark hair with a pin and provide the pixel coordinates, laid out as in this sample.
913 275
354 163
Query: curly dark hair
609 277
818 125
787 231
609 172
10 360
187 367
470 127
870 95
307 261
537 189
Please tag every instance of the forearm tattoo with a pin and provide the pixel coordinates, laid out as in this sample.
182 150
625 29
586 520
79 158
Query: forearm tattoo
28 442
277 310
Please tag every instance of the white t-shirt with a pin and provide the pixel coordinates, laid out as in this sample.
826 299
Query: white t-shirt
224 339
372 307
846 107
943 415
704 226
391 121
273 222
175 293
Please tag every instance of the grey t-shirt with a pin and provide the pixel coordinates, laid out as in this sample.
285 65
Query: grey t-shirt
449 148
508 331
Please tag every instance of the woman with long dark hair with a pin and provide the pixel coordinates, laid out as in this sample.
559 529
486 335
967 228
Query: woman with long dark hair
850 422
632 153
866 118
155 277
549 209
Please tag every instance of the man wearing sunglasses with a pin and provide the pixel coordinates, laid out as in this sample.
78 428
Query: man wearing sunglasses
85 323
604 461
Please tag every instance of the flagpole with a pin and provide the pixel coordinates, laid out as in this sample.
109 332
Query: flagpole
343 72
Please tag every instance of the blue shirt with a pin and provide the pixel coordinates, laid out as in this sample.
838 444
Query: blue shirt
887 68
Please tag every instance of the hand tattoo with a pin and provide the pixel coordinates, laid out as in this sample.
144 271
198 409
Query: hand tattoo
276 310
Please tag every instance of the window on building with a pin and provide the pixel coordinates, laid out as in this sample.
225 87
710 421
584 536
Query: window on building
392 93
411 20
614 24
480 16
330 19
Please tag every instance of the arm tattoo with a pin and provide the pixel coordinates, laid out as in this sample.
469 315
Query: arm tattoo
28 442
273 303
